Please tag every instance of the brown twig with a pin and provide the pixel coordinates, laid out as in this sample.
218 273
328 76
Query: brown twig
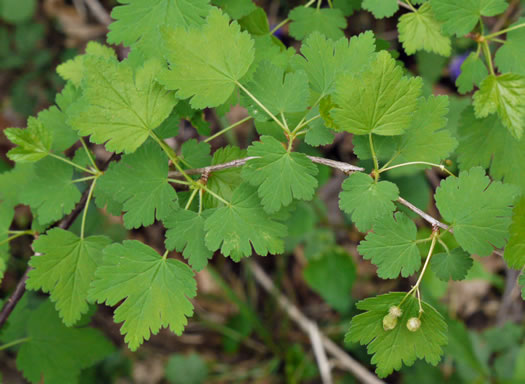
344 360
505 16
425 216
99 12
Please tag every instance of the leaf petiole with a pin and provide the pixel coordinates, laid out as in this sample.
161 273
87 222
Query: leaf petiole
94 173
16 234
88 153
202 186
190 200
503 31
440 166
14 342
228 128
84 214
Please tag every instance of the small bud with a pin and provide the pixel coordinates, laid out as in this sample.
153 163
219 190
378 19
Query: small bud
395 311
413 324
389 322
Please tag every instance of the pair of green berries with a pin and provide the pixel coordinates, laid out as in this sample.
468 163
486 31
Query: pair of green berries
390 320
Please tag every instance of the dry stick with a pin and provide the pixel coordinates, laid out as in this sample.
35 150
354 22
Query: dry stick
65 223
305 323
320 353
99 12
343 167
424 215
505 16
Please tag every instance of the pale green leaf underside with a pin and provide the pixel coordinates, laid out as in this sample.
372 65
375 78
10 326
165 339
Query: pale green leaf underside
65 269
155 291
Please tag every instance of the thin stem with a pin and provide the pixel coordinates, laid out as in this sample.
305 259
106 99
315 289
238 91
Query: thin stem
172 156
374 157
176 181
424 215
503 31
228 128
305 123
165 255
488 56
440 166
443 244
71 163
84 179
406 6
279 26
318 4
215 195
88 153
429 256
17 235
84 214
501 41
200 201
262 106
190 200
14 342
330 4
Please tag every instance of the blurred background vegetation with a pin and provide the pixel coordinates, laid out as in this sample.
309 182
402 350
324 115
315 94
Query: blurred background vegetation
239 334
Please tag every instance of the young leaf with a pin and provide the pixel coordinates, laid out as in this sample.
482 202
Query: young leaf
55 353
196 154
53 193
379 101
14 182
138 21
329 21
367 200
473 72
224 182
155 291
280 175
278 92
392 247
515 250
510 57
332 276
318 133
393 348
479 211
6 217
420 30
324 60
461 16
451 265
65 269
487 143
206 63
503 94
120 106
381 8
33 143
140 182
186 233
236 227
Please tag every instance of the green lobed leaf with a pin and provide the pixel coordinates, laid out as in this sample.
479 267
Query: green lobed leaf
6 217
33 143
318 133
154 291
137 22
120 106
420 30
473 72
332 275
514 253
65 269
206 63
451 265
140 182
14 182
348 7
186 233
485 142
280 176
392 246
52 194
236 8
504 94
224 182
328 21
196 154
510 57
391 349
236 227
479 211
381 8
324 60
278 92
367 200
380 100
461 16
56 354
